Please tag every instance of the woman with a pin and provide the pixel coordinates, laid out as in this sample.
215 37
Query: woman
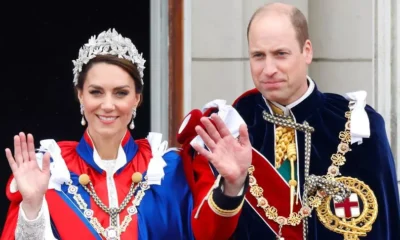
107 186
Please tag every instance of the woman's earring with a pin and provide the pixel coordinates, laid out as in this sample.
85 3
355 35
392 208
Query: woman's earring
83 122
132 125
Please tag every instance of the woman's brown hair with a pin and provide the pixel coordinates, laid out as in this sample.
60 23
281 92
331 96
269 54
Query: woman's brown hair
127 65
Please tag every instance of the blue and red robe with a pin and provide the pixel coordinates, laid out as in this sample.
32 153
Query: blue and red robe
371 162
164 212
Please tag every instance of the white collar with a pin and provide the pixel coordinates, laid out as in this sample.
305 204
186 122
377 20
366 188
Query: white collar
286 109
120 160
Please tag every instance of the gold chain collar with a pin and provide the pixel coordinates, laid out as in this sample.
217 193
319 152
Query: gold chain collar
310 202
113 232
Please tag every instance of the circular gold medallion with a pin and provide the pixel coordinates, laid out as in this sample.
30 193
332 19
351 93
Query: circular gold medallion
350 218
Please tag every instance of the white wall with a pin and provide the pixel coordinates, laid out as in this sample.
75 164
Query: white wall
341 33
219 48
386 46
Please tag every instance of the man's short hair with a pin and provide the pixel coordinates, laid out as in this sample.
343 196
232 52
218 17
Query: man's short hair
297 18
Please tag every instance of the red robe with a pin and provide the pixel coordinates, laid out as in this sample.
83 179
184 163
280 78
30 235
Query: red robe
150 221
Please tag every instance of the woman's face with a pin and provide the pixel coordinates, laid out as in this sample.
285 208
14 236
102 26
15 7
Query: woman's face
109 97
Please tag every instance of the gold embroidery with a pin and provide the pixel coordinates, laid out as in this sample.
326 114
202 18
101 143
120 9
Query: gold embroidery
223 212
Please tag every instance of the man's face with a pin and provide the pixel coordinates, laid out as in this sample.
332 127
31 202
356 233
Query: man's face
278 64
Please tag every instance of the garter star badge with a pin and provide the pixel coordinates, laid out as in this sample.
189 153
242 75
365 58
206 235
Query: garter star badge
352 218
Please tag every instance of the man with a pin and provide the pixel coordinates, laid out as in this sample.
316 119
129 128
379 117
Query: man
301 152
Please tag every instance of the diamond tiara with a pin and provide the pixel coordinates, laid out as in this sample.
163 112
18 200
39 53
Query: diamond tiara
108 43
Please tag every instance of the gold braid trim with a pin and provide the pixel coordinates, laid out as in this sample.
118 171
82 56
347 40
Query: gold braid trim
284 137
223 212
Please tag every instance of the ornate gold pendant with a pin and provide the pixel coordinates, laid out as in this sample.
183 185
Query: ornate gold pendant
350 219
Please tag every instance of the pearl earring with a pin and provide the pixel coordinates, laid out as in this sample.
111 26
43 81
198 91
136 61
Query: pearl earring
83 122
132 125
